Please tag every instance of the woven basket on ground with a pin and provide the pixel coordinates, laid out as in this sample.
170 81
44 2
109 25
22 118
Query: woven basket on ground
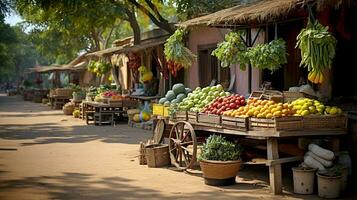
68 108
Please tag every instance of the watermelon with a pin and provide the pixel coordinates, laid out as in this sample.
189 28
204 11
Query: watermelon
188 90
175 101
167 103
162 100
180 97
170 95
178 88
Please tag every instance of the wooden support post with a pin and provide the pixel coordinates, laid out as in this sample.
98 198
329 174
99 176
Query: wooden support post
335 144
275 177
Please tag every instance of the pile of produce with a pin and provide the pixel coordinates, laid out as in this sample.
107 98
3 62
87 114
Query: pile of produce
99 67
109 94
199 98
306 106
232 50
262 109
176 95
222 104
76 113
317 47
177 55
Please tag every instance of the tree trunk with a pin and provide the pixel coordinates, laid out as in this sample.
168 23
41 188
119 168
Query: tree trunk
134 25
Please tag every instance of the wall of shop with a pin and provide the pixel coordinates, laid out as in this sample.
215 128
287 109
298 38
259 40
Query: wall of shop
207 35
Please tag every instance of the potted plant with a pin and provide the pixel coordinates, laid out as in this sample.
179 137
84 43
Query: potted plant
78 93
220 161
329 182
304 179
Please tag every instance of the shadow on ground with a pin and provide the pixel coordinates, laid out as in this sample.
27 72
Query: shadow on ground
83 186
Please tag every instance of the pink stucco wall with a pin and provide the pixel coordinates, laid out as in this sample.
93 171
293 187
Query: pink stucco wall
207 35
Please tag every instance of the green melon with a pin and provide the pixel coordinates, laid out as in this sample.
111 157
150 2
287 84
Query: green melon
178 88
170 95
162 100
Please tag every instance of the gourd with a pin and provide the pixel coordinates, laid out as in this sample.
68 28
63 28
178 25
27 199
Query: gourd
311 162
321 152
325 163
175 101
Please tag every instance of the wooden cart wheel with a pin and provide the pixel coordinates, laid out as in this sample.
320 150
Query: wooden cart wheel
183 145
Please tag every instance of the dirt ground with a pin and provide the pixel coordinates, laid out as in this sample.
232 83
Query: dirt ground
47 155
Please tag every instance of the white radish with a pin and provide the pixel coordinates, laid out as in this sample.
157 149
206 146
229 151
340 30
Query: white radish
321 152
311 162
325 163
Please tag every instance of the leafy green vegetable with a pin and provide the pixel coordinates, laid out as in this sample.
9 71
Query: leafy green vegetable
232 51
268 56
176 51
217 147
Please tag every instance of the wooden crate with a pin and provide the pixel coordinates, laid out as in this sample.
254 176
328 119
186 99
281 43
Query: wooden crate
325 122
292 96
209 118
235 123
158 109
130 103
179 116
192 116
279 124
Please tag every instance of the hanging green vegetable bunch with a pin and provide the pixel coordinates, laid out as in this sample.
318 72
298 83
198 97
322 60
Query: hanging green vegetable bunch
317 47
99 67
268 56
232 51
177 55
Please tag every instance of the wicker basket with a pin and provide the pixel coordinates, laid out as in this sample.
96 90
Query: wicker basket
325 122
64 92
157 155
142 152
68 110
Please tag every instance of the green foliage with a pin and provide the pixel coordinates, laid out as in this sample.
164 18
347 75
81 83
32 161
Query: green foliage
188 9
268 56
217 147
99 67
176 51
232 51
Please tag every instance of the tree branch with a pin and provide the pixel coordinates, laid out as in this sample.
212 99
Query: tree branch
156 11
162 24
108 37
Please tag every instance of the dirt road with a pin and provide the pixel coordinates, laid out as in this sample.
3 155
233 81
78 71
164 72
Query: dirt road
47 155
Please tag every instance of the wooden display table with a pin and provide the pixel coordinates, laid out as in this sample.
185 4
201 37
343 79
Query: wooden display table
183 138
105 113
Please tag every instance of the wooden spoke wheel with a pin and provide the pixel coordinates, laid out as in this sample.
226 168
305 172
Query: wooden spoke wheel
183 145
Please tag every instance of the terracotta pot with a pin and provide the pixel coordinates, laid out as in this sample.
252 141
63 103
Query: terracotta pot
220 172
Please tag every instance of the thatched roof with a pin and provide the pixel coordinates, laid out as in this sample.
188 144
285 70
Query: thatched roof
258 13
53 68
129 48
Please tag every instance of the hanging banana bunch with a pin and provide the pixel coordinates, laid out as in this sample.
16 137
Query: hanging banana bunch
317 47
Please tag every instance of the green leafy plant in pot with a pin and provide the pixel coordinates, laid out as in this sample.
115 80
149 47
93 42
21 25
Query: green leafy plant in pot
220 161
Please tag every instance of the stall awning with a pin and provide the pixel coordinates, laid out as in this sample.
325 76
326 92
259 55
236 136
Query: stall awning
53 68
